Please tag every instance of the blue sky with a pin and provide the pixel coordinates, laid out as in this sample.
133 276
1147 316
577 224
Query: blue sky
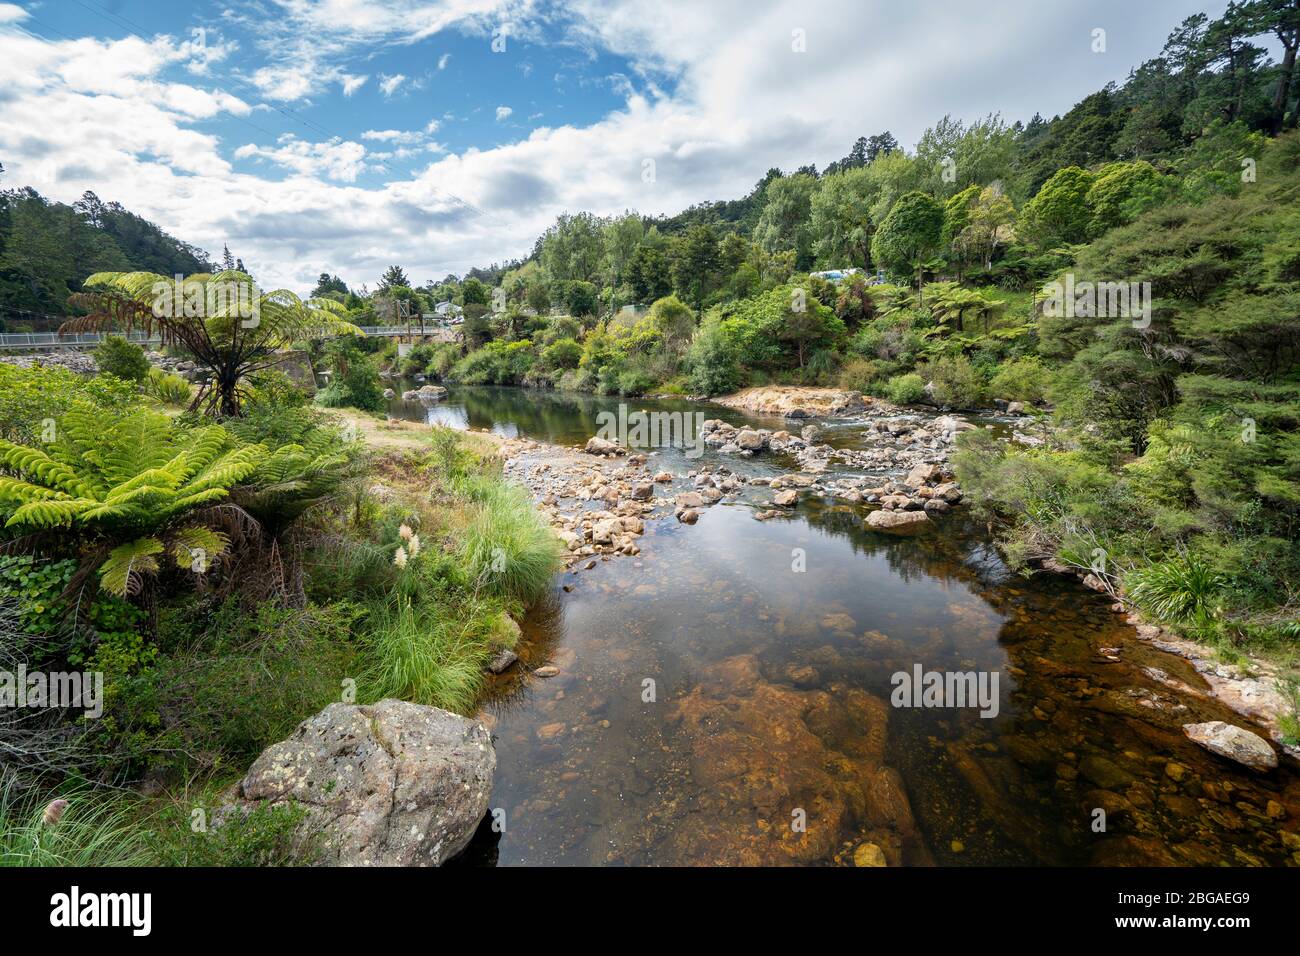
452 87
348 135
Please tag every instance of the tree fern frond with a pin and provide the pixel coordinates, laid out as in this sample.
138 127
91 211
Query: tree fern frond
122 572
197 543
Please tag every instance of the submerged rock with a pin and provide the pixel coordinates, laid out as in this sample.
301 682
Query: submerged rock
386 784
1224 739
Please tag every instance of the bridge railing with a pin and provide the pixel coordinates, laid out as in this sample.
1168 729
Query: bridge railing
53 340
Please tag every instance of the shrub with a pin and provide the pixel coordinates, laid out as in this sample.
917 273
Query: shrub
355 384
562 354
905 389
441 360
714 366
858 375
497 363
234 682
32 399
1025 379
167 388
955 382
1183 589
121 358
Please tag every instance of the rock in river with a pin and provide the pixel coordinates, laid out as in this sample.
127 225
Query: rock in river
904 521
599 446
386 784
1234 743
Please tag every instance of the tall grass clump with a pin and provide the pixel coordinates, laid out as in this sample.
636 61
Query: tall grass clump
426 653
90 829
1182 589
167 388
508 550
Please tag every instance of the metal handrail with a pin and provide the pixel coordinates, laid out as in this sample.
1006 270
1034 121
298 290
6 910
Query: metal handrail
55 340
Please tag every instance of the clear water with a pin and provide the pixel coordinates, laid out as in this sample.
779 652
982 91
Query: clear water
769 738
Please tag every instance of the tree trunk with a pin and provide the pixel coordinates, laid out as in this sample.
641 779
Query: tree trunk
1283 88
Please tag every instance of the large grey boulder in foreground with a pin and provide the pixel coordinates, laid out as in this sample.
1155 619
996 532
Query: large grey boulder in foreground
386 784
1234 743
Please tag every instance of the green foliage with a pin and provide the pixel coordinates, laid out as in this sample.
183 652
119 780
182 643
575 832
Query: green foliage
425 653
712 360
1059 212
32 591
308 459
779 329
562 354
508 550
355 379
167 388
261 837
224 320
955 382
117 356
33 399
905 389
95 830
130 482
859 375
910 233
1025 379
234 681
497 363
1183 589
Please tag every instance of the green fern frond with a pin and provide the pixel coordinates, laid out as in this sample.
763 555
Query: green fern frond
189 543
123 571
49 513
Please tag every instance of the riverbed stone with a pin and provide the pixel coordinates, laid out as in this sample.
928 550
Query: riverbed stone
1234 743
386 784
868 854
897 520
600 446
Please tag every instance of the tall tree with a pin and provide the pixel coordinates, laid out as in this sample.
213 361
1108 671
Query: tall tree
910 234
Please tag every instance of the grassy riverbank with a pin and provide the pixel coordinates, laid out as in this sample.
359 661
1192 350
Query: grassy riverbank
348 560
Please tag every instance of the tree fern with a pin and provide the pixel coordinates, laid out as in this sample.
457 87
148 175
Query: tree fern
224 338
128 481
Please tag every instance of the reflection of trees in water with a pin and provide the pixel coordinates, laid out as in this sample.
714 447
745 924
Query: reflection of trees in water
565 418
951 550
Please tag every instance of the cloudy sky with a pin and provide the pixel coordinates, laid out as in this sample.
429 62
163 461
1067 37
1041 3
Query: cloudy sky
346 135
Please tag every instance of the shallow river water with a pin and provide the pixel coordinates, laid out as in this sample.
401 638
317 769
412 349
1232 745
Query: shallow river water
725 698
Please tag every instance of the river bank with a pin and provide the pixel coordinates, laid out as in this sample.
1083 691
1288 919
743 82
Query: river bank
721 622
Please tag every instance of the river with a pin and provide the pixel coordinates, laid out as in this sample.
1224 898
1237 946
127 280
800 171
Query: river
724 697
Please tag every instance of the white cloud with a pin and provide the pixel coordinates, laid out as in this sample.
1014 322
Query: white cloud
443 61
432 126
352 83
503 113
393 135
337 159
389 84
12 13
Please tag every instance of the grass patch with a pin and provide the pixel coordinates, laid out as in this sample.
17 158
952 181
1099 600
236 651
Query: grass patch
94 829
